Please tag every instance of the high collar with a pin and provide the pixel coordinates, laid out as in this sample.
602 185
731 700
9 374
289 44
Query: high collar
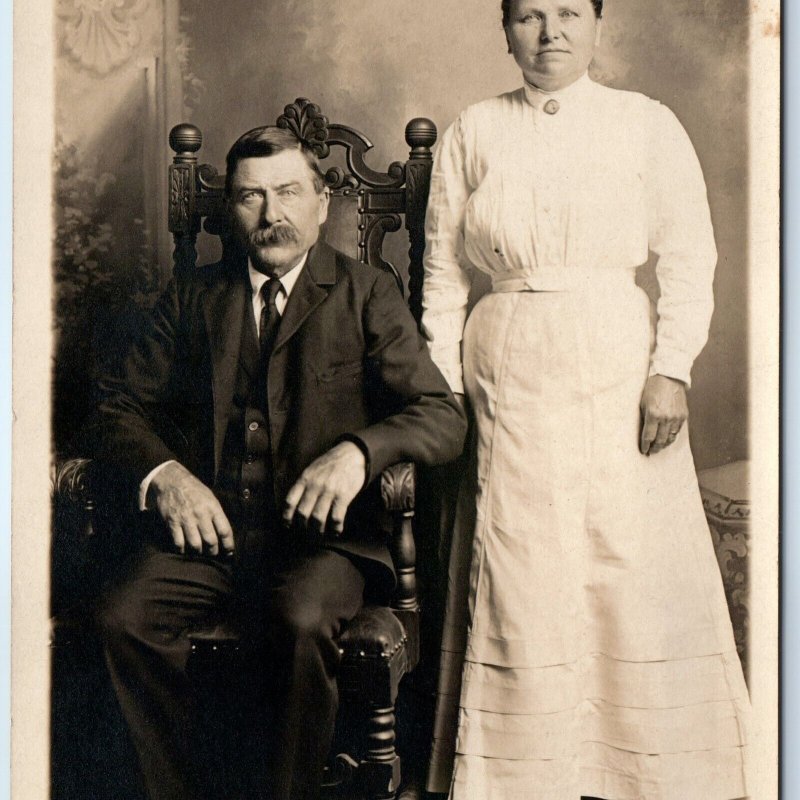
568 96
287 281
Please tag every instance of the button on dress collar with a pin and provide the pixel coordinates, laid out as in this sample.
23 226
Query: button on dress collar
551 107
552 103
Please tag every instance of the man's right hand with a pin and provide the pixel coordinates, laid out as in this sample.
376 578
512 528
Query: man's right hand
193 514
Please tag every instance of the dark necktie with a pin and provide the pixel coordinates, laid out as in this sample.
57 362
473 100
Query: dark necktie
270 317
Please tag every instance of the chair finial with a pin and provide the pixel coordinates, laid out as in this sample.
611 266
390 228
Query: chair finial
421 133
185 138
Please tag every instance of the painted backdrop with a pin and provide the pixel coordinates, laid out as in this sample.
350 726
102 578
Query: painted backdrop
376 64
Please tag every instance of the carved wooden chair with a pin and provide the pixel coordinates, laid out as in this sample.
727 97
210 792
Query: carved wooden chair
382 644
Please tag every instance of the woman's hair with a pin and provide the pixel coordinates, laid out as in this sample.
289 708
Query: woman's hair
269 141
506 6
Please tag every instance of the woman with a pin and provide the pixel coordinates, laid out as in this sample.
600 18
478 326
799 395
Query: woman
598 657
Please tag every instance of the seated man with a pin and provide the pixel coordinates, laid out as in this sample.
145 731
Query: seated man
251 419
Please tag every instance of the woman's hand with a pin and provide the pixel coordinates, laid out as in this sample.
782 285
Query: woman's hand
664 410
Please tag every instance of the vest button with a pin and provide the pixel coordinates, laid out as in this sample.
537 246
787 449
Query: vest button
253 426
249 458
245 494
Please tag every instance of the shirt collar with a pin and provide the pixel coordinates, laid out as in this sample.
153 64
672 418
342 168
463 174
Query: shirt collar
569 94
258 279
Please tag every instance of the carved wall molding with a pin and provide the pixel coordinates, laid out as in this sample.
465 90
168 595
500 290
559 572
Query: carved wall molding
101 35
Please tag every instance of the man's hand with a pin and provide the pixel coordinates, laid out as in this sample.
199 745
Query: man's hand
193 514
664 410
320 497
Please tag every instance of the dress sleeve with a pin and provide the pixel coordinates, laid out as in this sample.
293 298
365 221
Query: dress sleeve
448 273
682 237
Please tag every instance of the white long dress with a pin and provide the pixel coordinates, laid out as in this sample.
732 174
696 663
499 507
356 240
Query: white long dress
588 649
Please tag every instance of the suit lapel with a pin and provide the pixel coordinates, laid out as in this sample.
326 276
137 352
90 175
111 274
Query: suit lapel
224 313
309 291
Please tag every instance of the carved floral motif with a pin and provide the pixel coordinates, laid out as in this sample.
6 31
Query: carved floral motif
101 34
397 487
305 120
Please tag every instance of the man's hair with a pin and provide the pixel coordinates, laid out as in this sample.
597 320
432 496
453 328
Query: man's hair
506 6
265 141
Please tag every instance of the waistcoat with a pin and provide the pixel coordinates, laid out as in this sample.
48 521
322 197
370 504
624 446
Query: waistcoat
244 483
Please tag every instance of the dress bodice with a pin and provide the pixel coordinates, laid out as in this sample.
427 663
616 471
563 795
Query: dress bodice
554 201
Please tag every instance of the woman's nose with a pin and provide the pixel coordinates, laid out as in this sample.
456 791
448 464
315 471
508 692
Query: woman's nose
550 29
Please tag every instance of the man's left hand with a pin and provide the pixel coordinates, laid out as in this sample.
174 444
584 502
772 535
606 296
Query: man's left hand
320 497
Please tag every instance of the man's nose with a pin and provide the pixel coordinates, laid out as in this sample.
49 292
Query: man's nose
271 211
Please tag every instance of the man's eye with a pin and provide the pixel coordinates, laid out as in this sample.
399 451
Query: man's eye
248 197
530 18
567 13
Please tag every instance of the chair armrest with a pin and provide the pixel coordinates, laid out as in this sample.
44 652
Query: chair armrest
71 486
397 487
398 493
71 482
72 490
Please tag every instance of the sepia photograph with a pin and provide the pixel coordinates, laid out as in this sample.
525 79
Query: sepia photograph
396 392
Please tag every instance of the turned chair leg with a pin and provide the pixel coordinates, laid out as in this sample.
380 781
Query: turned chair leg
379 772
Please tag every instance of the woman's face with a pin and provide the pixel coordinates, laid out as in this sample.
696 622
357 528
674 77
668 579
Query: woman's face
553 41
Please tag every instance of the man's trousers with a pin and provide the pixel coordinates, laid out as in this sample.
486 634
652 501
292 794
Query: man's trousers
291 609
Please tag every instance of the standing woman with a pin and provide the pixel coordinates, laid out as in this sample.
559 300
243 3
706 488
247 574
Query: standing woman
593 655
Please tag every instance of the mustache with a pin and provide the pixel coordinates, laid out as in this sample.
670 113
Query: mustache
279 233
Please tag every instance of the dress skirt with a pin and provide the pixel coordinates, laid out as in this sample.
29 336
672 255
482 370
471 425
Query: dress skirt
588 648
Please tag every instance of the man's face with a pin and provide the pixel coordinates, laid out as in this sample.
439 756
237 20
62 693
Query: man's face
276 210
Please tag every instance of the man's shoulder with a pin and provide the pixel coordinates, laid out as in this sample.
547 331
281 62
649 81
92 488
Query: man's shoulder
191 284
212 272
351 270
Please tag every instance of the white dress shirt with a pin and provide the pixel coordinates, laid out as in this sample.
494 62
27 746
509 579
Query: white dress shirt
551 201
257 280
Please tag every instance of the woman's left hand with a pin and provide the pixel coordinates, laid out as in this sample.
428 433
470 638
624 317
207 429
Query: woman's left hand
664 410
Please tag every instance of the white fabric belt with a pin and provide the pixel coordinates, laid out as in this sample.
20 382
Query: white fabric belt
567 280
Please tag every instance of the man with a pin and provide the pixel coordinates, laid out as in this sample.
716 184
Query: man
251 420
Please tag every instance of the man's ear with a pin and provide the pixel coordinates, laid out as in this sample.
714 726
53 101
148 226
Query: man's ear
324 202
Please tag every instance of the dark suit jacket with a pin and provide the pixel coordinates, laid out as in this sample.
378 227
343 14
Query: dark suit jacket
347 362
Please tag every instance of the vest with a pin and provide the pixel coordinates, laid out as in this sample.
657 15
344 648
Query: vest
244 482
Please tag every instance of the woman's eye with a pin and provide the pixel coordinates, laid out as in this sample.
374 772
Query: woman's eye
529 18
567 13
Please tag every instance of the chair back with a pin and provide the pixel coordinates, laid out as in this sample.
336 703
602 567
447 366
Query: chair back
383 201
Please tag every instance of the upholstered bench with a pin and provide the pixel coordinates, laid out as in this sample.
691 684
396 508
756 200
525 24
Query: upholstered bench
725 493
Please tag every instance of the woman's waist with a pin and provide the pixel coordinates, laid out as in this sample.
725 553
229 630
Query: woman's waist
567 279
